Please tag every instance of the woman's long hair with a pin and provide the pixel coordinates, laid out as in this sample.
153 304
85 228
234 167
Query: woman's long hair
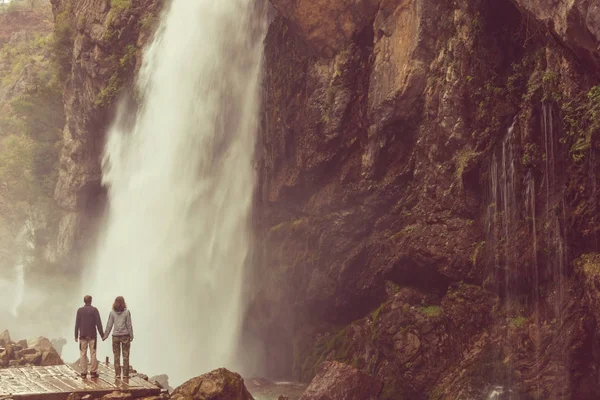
119 304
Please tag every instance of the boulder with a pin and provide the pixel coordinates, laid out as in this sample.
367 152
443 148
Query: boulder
40 343
33 359
162 381
22 344
219 384
340 381
4 359
25 352
50 357
4 338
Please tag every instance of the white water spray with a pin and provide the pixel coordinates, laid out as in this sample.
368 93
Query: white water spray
180 185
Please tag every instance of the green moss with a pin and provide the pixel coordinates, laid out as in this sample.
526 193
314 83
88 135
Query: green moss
148 23
64 36
435 394
590 264
431 311
476 252
391 391
358 362
407 230
581 118
519 321
462 160
120 5
109 93
308 358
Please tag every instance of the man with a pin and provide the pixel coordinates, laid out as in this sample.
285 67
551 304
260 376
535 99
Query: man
86 323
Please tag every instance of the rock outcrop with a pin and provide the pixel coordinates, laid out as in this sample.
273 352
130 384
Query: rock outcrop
219 384
426 183
342 382
37 352
102 48
576 24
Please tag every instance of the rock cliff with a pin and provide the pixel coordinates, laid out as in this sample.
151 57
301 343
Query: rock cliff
100 44
428 194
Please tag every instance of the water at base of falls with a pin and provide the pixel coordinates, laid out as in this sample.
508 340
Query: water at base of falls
180 182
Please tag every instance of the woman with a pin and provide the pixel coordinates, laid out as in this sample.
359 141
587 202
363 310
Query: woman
120 317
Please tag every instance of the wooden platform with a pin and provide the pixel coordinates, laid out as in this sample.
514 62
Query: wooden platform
56 383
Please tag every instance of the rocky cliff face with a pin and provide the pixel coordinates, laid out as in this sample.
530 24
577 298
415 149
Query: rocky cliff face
100 44
428 195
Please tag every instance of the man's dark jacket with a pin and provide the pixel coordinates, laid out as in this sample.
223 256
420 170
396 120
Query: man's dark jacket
88 319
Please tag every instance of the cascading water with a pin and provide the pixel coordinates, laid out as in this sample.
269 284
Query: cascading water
502 222
12 290
537 296
180 182
555 209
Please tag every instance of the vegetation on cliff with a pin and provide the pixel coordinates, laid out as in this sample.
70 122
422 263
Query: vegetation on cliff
31 119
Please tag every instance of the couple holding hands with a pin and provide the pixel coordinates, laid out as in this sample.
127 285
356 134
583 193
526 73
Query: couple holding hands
88 321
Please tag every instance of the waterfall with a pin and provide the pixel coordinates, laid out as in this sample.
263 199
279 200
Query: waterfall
555 211
180 182
502 214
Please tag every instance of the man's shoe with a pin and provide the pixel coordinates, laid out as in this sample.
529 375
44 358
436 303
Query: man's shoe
93 375
83 375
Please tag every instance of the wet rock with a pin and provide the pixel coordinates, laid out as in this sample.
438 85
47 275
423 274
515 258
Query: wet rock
162 381
576 23
401 64
117 396
40 344
342 382
99 41
50 357
33 359
344 20
4 359
219 384
26 351
4 338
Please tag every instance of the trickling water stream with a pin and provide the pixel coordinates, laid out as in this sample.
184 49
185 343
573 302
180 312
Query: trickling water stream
533 298
180 183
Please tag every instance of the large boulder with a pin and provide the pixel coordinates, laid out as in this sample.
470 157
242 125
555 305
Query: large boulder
338 381
4 338
162 381
219 384
50 357
40 344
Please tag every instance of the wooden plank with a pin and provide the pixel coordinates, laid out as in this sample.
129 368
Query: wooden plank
57 382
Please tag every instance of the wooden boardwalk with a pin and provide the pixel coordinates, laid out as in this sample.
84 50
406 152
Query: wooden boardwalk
57 382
